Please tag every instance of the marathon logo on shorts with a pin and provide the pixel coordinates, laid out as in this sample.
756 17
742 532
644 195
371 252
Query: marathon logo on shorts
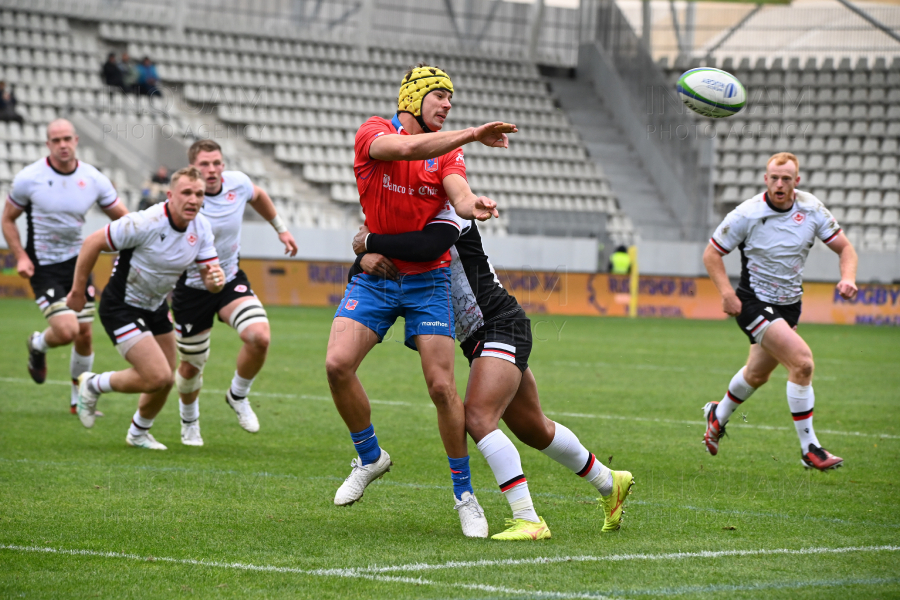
240 289
434 324
431 165
351 304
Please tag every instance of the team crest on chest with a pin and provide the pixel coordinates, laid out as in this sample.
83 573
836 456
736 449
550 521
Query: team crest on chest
191 239
82 183
431 165
231 196
799 217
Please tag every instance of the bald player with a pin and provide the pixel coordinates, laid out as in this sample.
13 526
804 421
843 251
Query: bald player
55 193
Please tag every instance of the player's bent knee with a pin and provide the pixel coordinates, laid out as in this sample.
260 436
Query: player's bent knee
257 337
337 369
442 392
804 368
194 350
248 313
188 385
159 380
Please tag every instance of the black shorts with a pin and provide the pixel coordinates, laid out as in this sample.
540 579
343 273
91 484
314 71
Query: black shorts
508 338
52 283
756 315
198 308
123 322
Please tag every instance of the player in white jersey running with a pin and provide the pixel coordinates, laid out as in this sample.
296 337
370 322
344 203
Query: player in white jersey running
55 193
774 232
155 247
195 308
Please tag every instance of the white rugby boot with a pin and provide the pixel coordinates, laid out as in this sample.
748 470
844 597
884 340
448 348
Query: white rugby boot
361 476
144 440
471 516
246 417
190 433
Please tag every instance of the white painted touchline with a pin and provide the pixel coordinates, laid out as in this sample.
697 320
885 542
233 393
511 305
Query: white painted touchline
650 367
621 557
340 573
699 421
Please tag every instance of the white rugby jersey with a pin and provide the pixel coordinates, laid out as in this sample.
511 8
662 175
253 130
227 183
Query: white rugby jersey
225 212
153 253
774 243
55 204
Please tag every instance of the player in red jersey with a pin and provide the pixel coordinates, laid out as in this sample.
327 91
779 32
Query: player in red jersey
405 179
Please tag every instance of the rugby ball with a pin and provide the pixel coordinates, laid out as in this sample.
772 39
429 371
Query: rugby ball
711 92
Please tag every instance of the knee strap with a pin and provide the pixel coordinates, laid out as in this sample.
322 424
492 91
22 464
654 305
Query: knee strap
186 386
194 350
246 314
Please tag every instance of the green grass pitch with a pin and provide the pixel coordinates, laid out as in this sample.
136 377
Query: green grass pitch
251 516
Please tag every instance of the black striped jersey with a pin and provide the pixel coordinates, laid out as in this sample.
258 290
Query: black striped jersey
225 213
153 253
55 204
478 296
775 243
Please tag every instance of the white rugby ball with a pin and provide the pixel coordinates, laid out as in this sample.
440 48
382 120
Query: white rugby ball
711 92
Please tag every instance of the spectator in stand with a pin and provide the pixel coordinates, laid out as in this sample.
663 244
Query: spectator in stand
148 80
112 74
8 105
154 190
130 74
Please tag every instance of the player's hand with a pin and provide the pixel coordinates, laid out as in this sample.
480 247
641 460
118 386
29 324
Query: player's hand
215 278
25 267
485 208
359 240
731 304
290 246
380 266
847 289
494 134
76 300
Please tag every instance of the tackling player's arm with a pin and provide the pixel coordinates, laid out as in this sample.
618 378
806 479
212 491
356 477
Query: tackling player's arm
414 246
87 258
421 147
262 204
841 246
715 266
24 266
465 202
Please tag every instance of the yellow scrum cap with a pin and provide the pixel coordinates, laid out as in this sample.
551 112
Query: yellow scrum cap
417 85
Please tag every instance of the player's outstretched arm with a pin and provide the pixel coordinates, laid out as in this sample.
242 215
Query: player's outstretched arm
24 266
213 277
414 246
262 204
465 202
87 258
849 260
422 147
715 266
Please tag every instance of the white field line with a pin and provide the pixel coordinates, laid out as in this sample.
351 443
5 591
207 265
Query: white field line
544 560
339 573
672 368
698 422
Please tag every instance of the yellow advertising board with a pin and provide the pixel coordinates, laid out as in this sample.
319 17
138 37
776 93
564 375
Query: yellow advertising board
304 283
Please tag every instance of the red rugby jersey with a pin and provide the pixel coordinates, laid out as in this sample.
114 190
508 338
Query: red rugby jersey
401 196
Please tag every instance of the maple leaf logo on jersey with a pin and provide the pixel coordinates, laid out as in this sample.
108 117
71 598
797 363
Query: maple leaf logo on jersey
191 239
82 183
231 196
799 217
431 165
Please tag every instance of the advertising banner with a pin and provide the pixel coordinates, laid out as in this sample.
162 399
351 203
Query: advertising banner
304 283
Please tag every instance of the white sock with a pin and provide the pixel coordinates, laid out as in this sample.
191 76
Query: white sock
100 384
79 364
569 452
503 459
139 425
738 392
189 412
240 387
39 343
801 399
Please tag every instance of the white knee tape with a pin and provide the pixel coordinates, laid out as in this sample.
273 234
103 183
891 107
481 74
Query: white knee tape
186 386
246 314
194 350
